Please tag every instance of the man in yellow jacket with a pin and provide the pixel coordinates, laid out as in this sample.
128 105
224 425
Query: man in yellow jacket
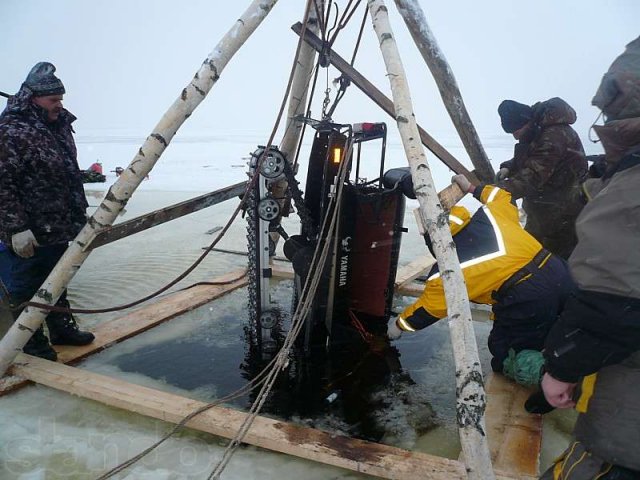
503 266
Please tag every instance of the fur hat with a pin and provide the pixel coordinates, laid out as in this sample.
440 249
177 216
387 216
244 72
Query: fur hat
42 81
514 115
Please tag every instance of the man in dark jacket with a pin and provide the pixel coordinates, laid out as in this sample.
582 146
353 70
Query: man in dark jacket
596 340
546 169
42 200
505 267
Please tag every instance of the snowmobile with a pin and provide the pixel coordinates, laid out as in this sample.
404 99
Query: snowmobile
348 244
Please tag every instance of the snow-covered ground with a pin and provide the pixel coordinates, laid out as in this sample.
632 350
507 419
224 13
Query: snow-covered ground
204 162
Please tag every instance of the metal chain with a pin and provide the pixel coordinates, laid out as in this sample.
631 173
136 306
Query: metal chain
296 195
327 100
252 255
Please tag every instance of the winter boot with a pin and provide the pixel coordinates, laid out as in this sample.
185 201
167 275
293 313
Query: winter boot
63 330
38 346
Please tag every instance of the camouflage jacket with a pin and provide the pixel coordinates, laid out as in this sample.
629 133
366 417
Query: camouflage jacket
548 165
40 182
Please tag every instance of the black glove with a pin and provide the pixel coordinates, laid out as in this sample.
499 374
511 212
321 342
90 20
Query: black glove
536 403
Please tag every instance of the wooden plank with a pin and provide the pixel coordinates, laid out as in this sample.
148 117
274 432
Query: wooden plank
352 454
157 217
284 272
450 195
383 101
411 289
154 314
409 272
515 436
140 320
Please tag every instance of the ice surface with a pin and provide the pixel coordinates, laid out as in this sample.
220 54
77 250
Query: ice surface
49 434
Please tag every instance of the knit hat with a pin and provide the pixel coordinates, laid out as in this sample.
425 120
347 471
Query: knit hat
514 115
42 81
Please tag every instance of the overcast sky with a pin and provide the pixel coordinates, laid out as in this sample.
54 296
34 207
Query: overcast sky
123 62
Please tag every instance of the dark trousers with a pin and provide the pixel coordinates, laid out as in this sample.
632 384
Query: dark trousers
577 463
524 314
22 277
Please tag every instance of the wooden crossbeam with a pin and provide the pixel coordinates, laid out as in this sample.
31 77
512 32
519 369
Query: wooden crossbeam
138 321
382 101
357 455
157 217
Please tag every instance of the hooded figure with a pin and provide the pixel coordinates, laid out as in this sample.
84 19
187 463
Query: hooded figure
42 199
505 267
592 354
547 168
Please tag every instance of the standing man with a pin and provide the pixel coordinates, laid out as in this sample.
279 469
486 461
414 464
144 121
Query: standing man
596 340
42 201
503 266
546 170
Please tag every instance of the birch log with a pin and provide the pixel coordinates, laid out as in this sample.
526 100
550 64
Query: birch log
297 104
120 192
300 89
470 396
416 22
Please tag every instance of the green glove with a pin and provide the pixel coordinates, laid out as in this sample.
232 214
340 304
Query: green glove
524 367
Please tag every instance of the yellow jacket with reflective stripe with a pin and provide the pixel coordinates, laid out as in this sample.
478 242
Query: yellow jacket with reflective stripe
491 248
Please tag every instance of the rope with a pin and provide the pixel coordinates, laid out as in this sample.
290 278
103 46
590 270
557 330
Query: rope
346 16
180 277
342 79
281 360
255 382
357 47
252 385
298 321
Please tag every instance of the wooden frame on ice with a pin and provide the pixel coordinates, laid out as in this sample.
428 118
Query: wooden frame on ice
507 423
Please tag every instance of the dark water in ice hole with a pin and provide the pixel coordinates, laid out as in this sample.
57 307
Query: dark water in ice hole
393 394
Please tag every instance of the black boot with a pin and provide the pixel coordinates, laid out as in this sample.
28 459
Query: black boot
63 330
38 346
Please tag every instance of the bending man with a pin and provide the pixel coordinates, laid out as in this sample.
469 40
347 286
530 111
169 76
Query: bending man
507 268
